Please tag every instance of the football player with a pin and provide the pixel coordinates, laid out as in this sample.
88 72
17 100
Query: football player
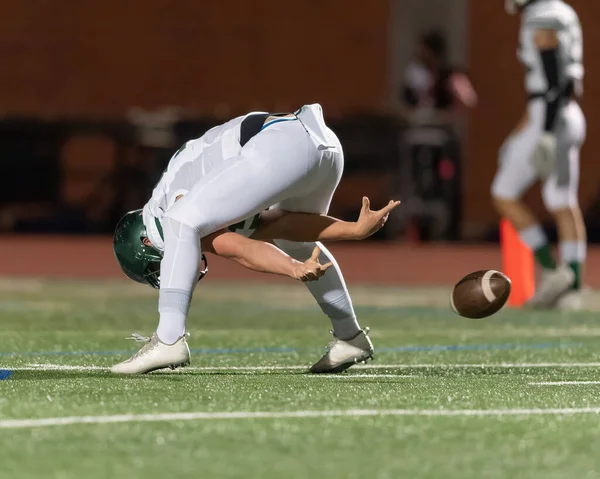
545 146
255 178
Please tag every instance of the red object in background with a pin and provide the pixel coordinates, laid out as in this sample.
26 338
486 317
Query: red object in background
446 169
517 264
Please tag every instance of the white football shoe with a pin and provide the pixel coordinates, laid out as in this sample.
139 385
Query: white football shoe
571 301
341 355
553 285
155 355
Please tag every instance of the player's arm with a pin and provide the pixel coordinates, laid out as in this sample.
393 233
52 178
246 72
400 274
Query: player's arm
263 257
547 42
463 90
304 227
546 39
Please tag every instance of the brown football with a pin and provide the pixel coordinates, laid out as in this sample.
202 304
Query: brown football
480 294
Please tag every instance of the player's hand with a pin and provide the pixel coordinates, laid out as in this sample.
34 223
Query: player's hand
370 222
311 269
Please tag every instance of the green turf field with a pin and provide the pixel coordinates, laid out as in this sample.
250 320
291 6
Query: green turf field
514 396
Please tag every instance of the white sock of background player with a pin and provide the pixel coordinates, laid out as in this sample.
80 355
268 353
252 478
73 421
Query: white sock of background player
330 291
536 239
574 254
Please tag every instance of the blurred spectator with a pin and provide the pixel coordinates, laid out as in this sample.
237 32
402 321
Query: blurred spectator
434 96
432 83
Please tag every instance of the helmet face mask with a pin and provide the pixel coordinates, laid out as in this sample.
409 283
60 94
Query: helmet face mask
152 275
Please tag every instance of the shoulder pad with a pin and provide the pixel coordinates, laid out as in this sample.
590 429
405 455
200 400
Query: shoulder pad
555 17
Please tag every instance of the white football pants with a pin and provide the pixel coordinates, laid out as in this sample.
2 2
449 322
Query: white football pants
517 166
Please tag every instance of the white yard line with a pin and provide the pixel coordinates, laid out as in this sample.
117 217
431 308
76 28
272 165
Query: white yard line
58 367
406 366
196 416
67 367
563 383
353 376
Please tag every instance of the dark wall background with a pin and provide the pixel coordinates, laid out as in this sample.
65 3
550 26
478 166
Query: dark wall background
219 58
213 56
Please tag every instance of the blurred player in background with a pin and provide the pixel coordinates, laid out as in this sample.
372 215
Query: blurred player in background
256 178
545 146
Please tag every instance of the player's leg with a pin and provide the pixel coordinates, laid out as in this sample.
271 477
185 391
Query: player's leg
168 345
330 292
560 197
516 174
351 344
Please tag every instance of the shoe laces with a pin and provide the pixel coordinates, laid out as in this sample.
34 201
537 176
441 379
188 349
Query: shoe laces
148 346
138 338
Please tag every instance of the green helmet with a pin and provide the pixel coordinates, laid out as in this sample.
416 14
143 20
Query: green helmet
138 261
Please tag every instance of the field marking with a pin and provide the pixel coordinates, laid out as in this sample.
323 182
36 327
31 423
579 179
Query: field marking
66 367
286 350
563 383
195 416
358 367
353 376
125 352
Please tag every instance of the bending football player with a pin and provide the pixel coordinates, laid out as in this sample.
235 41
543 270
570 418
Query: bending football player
545 146
256 178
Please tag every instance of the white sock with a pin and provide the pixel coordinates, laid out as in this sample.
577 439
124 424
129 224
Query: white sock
329 291
179 271
170 327
342 317
573 251
173 306
534 237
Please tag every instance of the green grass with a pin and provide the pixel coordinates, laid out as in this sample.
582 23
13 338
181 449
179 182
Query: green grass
428 361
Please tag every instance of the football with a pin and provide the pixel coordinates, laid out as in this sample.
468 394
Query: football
480 294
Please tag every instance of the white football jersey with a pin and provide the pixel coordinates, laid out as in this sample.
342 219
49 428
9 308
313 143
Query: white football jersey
188 165
553 15
195 159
